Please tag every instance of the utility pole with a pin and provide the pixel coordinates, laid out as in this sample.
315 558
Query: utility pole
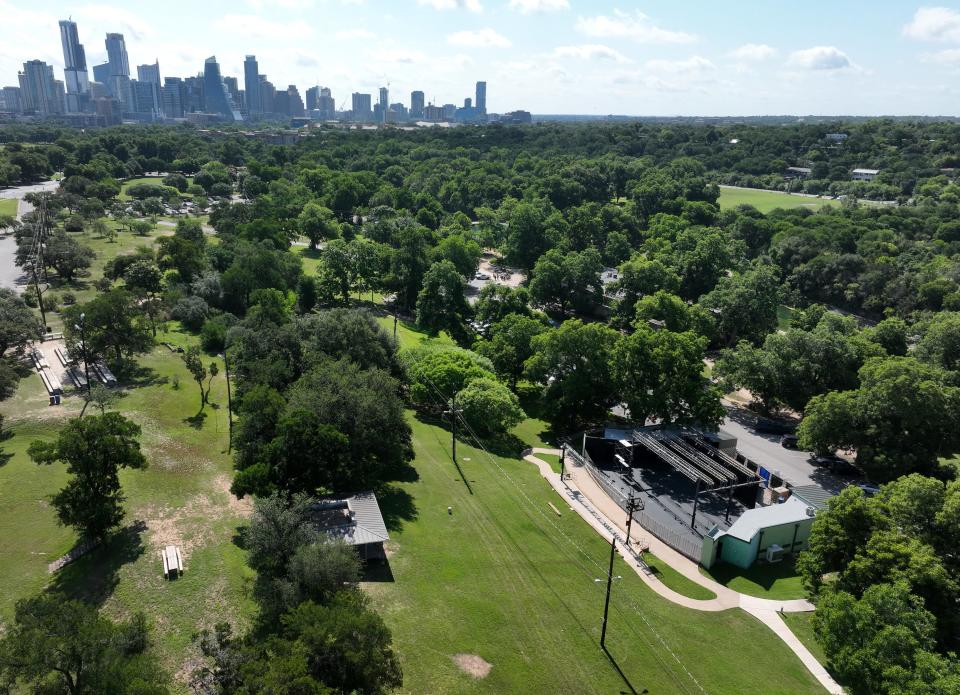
83 348
606 603
226 371
563 457
453 413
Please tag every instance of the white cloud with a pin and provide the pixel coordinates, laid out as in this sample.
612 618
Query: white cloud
536 6
399 55
934 24
754 52
590 51
472 5
253 26
820 58
281 4
948 56
481 38
124 21
691 67
634 26
354 35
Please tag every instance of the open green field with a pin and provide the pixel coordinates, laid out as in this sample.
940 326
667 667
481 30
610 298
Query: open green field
801 624
503 579
765 201
778 581
8 207
182 498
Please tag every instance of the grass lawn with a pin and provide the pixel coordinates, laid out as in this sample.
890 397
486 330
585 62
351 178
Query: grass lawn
801 624
778 581
765 201
676 581
182 498
784 316
552 459
157 180
496 579
409 335
8 207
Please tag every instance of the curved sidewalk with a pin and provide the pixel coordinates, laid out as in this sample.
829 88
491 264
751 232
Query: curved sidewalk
585 497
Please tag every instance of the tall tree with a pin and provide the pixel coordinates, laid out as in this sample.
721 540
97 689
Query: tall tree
745 305
441 304
18 325
93 449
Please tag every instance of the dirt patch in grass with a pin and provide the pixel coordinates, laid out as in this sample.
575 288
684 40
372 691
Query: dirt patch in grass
472 664
240 507
179 526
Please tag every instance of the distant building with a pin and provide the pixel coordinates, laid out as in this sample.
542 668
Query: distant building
119 80
268 94
516 118
432 113
864 174
193 87
10 100
216 98
147 101
101 74
361 107
326 106
38 89
416 104
482 97
836 137
233 89
449 112
173 97
149 73
251 85
798 172
75 76
312 98
383 104
295 103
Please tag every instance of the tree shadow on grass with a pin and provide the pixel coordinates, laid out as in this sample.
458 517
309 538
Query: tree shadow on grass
240 536
397 506
138 376
376 571
93 577
196 421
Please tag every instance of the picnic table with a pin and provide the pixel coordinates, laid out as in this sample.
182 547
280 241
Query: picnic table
172 562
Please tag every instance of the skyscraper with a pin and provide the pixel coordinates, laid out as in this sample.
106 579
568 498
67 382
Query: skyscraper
10 96
383 104
326 105
174 95
149 73
119 83
416 104
361 106
215 95
294 102
38 88
101 74
251 84
268 94
75 66
313 98
481 101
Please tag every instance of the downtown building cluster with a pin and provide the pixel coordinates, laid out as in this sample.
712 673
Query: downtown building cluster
114 95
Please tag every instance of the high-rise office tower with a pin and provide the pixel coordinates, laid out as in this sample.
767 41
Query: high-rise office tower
361 106
268 95
173 97
38 89
416 104
149 73
313 98
215 96
146 98
74 67
119 82
101 74
294 102
233 89
251 84
326 105
383 104
10 96
193 92
482 97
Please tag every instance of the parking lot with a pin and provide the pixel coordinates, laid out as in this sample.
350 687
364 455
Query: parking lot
490 270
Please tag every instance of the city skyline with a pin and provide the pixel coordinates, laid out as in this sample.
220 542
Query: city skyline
548 56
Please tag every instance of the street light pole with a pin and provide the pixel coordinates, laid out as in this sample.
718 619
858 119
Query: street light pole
83 349
606 603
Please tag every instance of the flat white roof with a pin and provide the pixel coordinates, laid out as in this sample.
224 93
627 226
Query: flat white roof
866 171
753 520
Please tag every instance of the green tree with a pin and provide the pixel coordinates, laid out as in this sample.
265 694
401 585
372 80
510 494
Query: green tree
113 322
279 526
93 449
441 304
409 263
659 374
193 359
526 236
940 344
317 223
510 345
489 407
639 277
460 250
18 325
437 373
60 645
66 255
676 314
348 333
572 279
497 301
573 363
745 305
901 419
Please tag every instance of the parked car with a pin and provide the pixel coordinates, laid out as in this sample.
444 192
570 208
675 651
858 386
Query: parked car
768 426
834 464
868 490
789 441
481 276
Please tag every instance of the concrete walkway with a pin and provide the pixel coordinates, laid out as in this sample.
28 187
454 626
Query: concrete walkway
586 498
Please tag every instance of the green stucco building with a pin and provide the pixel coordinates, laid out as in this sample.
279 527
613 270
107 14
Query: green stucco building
764 533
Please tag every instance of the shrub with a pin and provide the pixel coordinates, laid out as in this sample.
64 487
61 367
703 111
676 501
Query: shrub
191 312
213 335
69 298
489 407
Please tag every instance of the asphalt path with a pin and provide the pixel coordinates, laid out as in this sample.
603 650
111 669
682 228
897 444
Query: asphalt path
10 275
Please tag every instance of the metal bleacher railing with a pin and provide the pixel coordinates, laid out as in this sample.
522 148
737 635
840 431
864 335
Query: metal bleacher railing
681 543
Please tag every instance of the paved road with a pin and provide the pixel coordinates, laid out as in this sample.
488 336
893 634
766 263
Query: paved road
765 449
10 275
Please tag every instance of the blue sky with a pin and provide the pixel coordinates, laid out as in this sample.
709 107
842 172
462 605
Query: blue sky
685 57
